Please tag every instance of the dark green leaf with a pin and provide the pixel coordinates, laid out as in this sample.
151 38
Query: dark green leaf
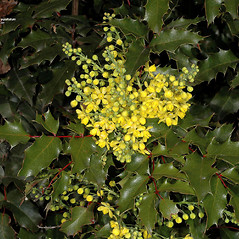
136 56
130 26
46 8
235 201
6 231
232 174
60 185
225 102
167 207
215 202
227 151
77 127
40 155
167 170
199 172
183 23
232 7
80 216
179 187
25 234
95 173
139 163
132 187
197 228
170 40
147 211
105 231
212 9
21 83
13 133
56 84
154 12
228 234
218 62
81 150
49 123
235 81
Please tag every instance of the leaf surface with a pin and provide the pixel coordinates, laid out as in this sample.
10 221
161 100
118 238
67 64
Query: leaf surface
6 231
40 155
168 207
212 9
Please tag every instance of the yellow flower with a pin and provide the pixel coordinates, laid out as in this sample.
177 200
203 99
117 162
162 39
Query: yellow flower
106 209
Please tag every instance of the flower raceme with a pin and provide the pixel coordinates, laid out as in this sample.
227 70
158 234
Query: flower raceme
115 105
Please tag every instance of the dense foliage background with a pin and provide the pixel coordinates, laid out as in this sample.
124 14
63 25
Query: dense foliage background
201 153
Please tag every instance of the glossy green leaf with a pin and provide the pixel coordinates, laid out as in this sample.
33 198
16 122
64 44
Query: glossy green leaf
199 172
13 133
167 170
232 174
80 216
235 200
178 186
37 39
132 187
232 7
170 40
226 233
183 23
215 202
6 231
136 56
212 9
40 155
168 207
227 151
95 173
60 185
46 8
81 150
77 127
197 228
225 102
56 84
218 62
222 133
49 123
154 12
139 163
25 234
147 211
46 54
21 83
235 81
130 26
104 231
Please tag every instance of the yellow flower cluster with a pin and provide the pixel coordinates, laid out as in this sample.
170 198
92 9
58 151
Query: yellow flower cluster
118 232
115 105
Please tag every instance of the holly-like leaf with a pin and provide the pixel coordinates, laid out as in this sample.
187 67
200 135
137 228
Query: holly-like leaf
13 133
167 170
235 81
197 228
215 202
232 7
212 9
183 23
80 216
56 84
45 9
81 150
225 102
132 187
60 185
168 207
199 172
228 234
49 123
154 12
218 62
147 211
232 174
95 173
178 186
139 163
235 200
171 39
40 155
21 83
77 127
227 151
136 56
6 231
130 26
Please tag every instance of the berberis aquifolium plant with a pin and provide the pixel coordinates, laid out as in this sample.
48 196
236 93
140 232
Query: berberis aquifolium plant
124 133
